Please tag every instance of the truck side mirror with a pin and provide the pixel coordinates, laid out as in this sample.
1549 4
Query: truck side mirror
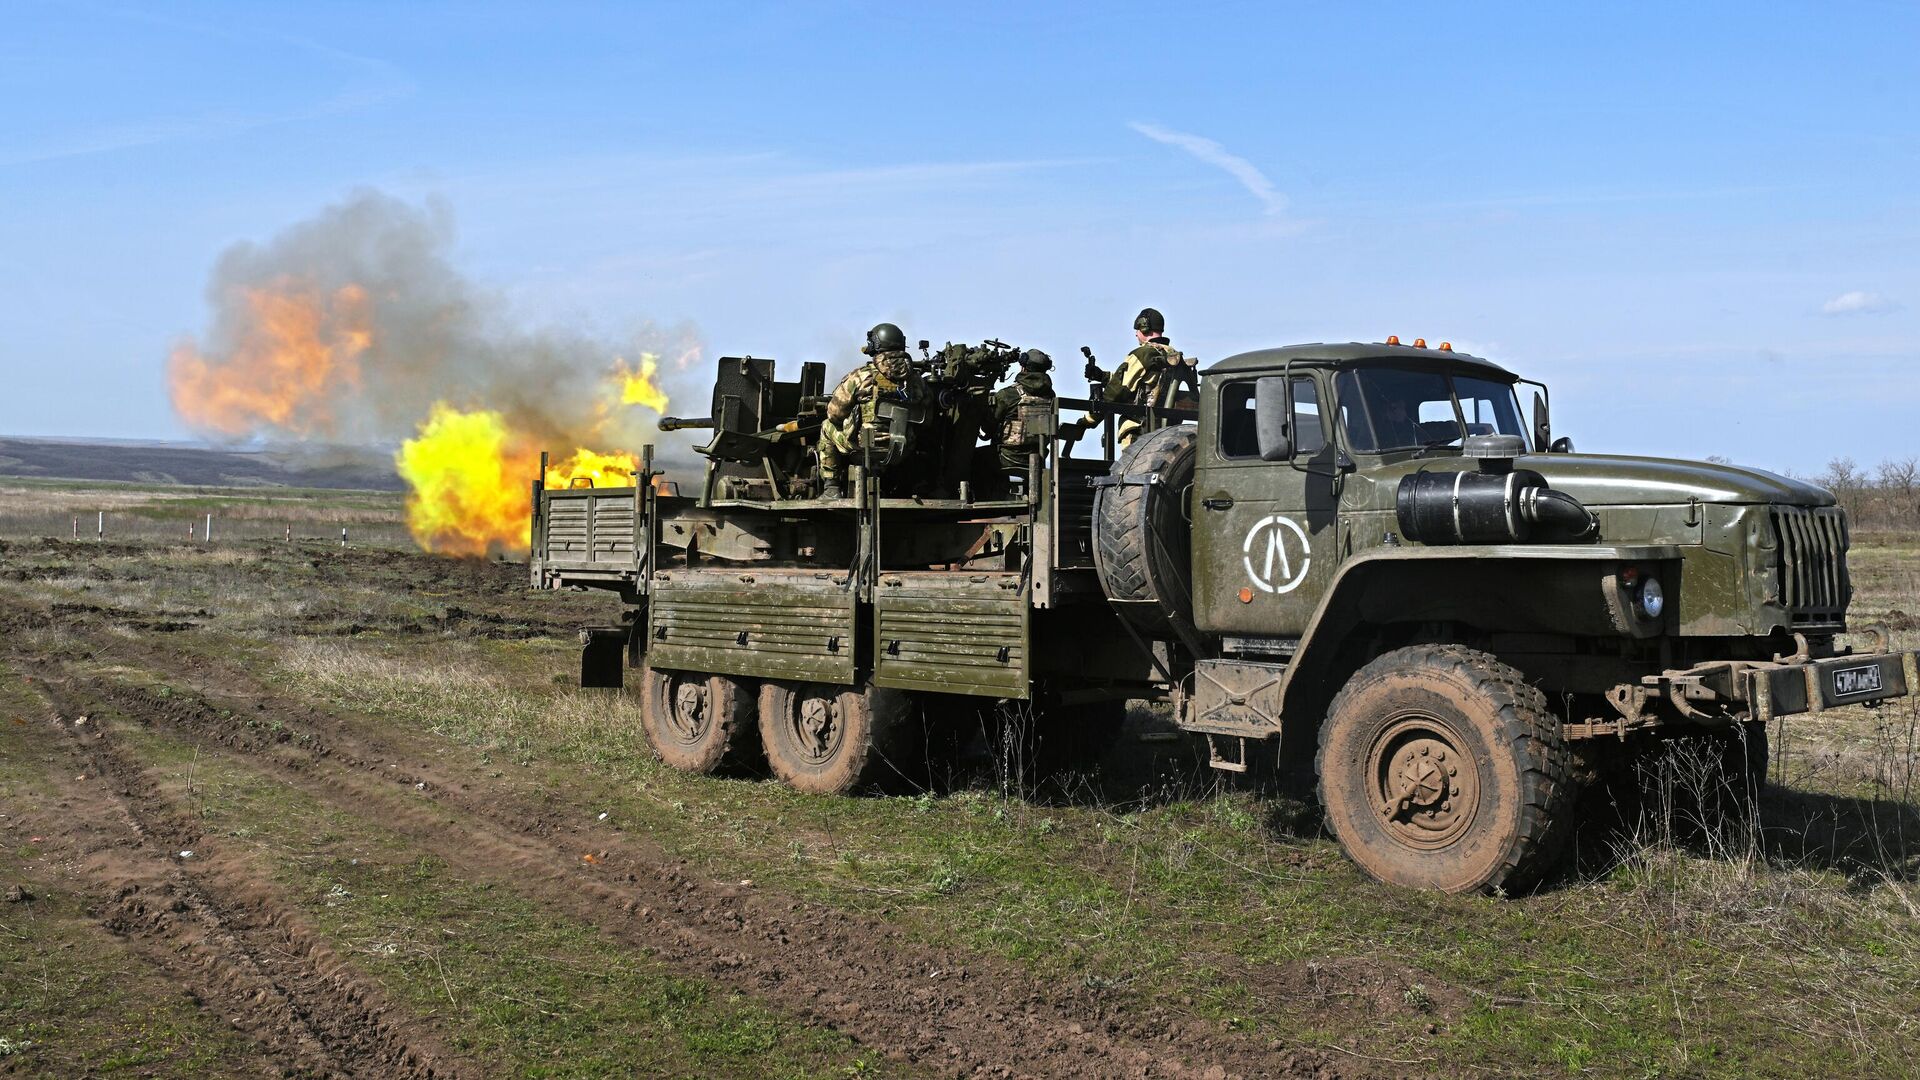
1561 445
1271 411
1542 423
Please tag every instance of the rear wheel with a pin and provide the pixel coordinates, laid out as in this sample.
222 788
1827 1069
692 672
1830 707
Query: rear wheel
1440 768
698 723
832 740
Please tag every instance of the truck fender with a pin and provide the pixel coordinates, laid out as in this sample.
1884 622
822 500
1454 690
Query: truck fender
1519 588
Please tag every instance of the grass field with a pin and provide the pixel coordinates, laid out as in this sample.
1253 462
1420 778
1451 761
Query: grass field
292 806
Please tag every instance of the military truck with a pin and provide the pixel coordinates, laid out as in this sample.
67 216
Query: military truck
1365 556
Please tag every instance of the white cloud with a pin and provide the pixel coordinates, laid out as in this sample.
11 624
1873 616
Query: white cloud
1214 154
1857 303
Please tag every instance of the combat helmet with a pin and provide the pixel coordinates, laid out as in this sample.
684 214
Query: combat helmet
1035 360
1150 321
885 338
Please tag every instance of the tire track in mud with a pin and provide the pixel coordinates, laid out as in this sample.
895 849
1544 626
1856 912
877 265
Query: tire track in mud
957 1013
216 927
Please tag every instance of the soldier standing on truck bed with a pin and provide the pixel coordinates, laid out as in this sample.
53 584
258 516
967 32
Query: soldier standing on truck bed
1150 375
887 375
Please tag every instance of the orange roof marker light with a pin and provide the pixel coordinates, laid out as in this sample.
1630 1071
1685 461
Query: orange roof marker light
1419 343
1393 339
1446 346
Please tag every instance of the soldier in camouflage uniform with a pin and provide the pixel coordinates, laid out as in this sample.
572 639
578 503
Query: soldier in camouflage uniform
888 373
1033 386
1149 375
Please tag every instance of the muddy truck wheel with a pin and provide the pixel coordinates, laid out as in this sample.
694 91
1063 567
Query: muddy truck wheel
699 723
1440 768
835 740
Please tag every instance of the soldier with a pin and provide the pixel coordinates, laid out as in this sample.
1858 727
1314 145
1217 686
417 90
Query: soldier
1033 386
887 374
1150 375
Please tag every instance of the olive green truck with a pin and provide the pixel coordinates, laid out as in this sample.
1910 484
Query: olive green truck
1369 557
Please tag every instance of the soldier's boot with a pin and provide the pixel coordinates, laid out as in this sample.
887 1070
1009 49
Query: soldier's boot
832 489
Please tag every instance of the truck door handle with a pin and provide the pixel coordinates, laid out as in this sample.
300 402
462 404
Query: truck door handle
1218 502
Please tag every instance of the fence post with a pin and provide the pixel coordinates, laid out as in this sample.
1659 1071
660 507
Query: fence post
102 534
208 537
76 526
343 536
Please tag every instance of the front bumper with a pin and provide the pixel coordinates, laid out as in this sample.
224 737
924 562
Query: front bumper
1817 685
1733 691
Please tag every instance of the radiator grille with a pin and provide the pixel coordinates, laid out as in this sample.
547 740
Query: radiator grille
1811 563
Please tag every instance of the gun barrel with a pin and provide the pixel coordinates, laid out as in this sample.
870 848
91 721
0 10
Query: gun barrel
677 423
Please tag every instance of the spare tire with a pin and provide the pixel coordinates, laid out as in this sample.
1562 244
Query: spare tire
1142 533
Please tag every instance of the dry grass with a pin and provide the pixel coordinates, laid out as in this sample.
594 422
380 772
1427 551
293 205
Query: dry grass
161 514
466 700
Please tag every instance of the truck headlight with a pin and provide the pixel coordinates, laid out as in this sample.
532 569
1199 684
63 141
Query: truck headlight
1652 598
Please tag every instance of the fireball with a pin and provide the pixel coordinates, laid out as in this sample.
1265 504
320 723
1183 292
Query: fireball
469 483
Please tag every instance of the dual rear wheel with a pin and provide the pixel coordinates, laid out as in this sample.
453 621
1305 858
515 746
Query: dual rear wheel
834 740
815 737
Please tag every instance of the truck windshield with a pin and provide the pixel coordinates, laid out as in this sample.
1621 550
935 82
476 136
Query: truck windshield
1389 408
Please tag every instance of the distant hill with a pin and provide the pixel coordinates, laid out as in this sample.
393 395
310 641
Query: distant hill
185 463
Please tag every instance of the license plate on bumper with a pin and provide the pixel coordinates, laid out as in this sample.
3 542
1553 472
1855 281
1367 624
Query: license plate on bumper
1826 684
1858 681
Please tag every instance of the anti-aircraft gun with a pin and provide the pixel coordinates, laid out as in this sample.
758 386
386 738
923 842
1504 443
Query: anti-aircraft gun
764 430
962 379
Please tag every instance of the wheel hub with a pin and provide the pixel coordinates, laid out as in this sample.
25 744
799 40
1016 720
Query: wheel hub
1426 787
817 728
689 711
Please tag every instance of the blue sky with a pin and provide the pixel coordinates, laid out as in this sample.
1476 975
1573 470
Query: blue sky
1701 226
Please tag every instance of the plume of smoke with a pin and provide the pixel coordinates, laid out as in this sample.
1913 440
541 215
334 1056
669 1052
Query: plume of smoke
347 327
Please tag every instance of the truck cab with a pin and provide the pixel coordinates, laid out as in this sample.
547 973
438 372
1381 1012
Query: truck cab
1393 562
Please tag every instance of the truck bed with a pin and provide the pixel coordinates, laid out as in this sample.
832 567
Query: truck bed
959 628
